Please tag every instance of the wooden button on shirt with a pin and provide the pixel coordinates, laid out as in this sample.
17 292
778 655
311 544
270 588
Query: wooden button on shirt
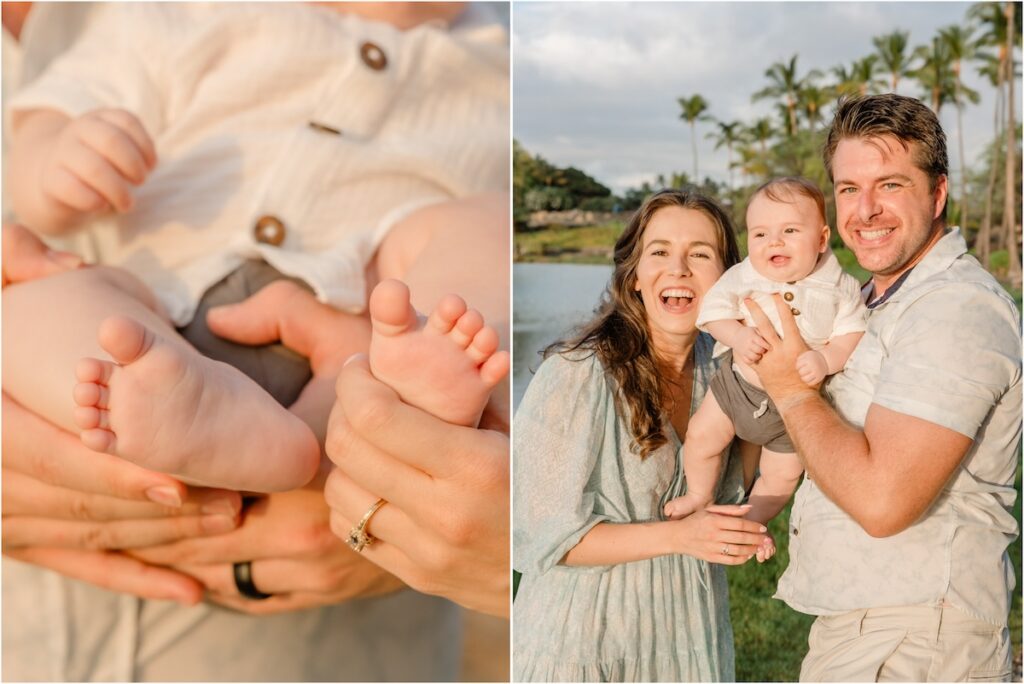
373 56
788 296
269 230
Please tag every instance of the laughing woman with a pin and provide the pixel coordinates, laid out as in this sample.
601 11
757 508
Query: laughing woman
611 591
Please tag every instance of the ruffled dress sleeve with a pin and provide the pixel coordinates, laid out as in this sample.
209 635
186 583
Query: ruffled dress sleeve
558 440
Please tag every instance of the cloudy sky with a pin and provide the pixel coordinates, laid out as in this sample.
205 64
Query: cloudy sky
596 83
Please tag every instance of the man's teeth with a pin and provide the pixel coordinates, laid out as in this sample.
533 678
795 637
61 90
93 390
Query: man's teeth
875 234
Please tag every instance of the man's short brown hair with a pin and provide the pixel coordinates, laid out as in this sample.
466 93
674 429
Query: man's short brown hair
905 118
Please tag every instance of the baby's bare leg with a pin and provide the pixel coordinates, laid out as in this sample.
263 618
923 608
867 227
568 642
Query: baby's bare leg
780 474
51 323
160 403
455 247
710 431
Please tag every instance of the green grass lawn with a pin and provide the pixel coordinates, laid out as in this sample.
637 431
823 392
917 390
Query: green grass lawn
771 638
585 245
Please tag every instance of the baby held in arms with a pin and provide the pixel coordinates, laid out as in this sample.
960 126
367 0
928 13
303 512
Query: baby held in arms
787 237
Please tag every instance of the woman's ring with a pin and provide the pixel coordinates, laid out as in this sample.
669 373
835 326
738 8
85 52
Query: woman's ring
726 551
244 583
358 537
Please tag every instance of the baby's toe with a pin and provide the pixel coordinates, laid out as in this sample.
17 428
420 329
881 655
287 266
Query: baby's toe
90 417
91 394
99 440
466 328
125 339
483 345
495 368
390 309
447 313
93 370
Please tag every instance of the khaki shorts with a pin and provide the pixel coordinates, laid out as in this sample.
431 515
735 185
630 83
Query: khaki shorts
752 412
906 644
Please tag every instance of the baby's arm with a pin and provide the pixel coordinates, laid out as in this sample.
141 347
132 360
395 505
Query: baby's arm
63 169
815 364
746 343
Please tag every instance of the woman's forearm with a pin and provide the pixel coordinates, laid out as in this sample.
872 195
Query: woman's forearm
613 543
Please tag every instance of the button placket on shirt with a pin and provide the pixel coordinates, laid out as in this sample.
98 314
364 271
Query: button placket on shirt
348 111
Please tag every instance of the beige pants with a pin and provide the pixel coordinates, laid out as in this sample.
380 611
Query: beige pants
906 644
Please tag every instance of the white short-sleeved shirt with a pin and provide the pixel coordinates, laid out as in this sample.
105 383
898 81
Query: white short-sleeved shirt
946 348
241 100
828 301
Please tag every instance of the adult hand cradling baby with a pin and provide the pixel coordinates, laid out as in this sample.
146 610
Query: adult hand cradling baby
66 507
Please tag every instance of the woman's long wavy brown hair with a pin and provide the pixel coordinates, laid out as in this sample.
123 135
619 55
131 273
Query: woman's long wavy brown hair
618 333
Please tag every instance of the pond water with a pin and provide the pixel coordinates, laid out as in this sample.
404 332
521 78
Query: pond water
548 301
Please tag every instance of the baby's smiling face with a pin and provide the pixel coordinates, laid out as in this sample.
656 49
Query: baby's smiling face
784 239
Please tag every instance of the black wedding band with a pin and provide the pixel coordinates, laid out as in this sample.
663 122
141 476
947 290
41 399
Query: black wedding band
243 581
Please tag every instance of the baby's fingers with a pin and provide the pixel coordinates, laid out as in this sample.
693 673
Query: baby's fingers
68 190
130 124
96 171
117 146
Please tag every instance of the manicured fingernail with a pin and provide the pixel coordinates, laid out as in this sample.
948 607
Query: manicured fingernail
164 495
218 523
223 505
763 529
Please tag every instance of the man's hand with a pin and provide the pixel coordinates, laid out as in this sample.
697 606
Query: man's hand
777 368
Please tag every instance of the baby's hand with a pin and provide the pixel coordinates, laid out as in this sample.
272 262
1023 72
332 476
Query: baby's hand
766 549
749 346
812 367
95 160
684 505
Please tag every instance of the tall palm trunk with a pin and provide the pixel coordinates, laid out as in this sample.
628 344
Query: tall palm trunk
693 140
963 160
983 244
1009 204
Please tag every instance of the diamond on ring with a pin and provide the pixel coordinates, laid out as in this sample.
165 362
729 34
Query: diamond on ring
358 537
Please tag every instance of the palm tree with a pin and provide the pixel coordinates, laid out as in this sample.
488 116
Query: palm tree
812 100
728 134
935 73
784 84
860 79
994 20
1010 206
761 131
892 51
992 68
961 45
693 110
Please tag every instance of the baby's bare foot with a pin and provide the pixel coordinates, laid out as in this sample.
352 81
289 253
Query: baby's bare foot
447 364
168 408
682 506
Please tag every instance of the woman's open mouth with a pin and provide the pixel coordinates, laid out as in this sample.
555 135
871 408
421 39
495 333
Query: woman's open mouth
677 299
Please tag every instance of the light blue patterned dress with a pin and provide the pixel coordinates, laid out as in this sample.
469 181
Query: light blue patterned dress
663 619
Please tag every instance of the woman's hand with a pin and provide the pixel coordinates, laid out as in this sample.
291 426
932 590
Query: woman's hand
444 529
720 534
67 508
294 556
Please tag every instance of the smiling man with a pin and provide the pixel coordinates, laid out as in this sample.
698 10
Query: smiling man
898 535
